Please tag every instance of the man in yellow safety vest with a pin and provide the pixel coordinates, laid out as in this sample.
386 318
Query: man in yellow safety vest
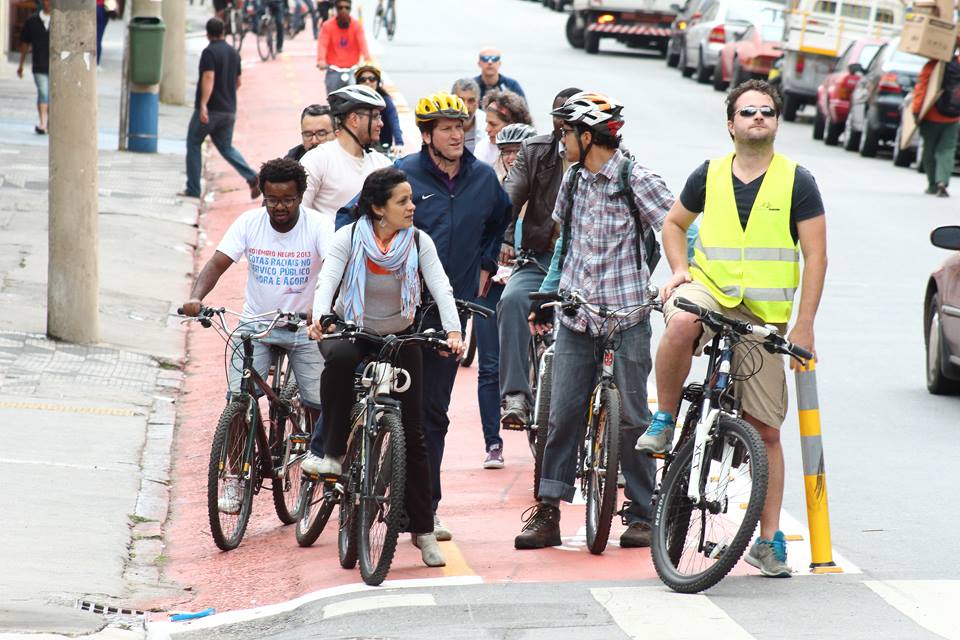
760 211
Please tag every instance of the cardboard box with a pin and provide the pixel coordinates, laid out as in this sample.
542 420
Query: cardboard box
928 36
908 125
943 9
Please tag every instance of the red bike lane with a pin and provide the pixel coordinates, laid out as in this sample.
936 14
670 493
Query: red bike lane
482 507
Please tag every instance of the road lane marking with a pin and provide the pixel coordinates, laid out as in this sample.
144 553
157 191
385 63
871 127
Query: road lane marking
456 563
932 604
62 408
70 465
656 612
356 605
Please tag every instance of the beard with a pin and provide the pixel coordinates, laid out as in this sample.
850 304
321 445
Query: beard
343 23
757 138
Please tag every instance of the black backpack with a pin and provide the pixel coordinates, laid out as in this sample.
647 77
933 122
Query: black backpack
948 103
648 249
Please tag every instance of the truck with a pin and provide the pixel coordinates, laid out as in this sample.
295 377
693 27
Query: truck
817 32
635 23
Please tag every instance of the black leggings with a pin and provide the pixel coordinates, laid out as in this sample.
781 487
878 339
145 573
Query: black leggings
341 358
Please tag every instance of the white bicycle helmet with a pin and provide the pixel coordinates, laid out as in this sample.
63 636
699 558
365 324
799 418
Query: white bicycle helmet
515 133
353 97
592 110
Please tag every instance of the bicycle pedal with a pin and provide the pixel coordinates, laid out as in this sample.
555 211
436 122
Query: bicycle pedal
513 426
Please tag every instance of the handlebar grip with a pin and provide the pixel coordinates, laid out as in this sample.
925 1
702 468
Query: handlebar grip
302 315
477 309
800 352
548 296
685 305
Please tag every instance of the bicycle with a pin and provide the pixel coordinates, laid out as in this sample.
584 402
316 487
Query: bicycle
266 36
598 455
238 21
693 550
385 19
244 453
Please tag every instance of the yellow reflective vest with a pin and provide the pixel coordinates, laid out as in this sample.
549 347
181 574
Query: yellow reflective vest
758 266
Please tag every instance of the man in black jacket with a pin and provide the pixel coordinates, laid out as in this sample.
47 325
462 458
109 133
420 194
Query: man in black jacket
533 183
316 127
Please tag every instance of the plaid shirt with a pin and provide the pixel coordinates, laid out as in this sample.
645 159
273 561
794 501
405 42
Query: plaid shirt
601 261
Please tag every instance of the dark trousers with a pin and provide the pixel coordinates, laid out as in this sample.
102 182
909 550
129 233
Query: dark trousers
220 129
488 368
440 374
101 27
336 398
939 151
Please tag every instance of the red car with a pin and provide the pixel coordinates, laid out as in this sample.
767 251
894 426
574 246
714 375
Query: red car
751 55
833 96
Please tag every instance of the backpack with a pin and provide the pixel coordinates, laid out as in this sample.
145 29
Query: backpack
648 249
948 103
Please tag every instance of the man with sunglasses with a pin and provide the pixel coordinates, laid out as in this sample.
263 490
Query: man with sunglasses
316 127
490 77
341 44
760 212
284 244
336 171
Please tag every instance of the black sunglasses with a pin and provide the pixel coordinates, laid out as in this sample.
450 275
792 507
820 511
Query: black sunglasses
367 79
749 112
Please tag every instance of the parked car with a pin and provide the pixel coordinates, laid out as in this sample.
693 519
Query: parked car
751 55
941 316
722 22
875 105
914 150
833 95
686 15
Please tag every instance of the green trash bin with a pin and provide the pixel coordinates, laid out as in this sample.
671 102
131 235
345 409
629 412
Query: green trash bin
146 50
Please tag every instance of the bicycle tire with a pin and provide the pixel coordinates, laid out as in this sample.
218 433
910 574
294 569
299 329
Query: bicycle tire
315 512
391 20
382 499
674 515
601 483
533 383
471 341
264 45
287 477
377 22
541 417
231 437
348 516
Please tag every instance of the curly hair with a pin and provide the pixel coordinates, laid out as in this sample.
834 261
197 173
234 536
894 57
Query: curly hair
508 106
376 191
759 86
283 170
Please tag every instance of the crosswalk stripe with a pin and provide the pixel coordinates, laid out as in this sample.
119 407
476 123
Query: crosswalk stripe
369 603
656 612
932 604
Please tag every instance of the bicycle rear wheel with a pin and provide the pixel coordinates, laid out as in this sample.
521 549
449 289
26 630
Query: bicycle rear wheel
292 434
391 20
603 470
317 506
265 38
231 476
695 545
541 419
381 504
350 499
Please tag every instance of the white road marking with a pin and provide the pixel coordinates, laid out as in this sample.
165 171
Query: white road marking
656 612
932 604
355 605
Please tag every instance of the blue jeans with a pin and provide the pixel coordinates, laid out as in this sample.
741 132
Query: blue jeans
514 329
42 81
488 368
575 353
101 27
220 129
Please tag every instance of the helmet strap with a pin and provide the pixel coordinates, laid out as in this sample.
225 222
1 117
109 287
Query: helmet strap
365 147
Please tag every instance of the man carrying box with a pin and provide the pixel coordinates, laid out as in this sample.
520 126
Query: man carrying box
940 125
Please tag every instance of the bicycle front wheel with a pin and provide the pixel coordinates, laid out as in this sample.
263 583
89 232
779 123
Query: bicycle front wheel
541 419
265 38
292 435
317 505
381 504
696 543
377 22
349 500
231 475
391 21
602 470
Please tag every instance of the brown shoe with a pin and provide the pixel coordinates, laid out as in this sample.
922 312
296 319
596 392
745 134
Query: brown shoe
541 528
254 184
636 535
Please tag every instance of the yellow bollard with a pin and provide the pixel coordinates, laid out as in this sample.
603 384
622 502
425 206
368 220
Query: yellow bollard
814 474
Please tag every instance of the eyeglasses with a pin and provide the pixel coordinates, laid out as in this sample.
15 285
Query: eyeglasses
489 58
367 79
749 112
373 114
566 131
318 134
286 203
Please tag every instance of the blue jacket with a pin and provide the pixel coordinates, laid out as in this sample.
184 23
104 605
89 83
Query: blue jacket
467 226
390 133
504 83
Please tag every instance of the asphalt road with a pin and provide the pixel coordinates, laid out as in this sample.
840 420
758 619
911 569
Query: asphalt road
890 447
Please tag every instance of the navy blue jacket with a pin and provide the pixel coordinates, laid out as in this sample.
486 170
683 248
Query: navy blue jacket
504 83
467 226
390 133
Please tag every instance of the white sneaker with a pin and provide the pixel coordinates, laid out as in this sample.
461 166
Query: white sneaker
440 530
429 550
316 466
229 502
311 464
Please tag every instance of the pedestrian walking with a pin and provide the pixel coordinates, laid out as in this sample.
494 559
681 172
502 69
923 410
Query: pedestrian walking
316 127
341 44
940 125
468 90
489 61
35 37
215 110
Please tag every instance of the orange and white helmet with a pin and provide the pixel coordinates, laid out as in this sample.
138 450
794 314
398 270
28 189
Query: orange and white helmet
592 110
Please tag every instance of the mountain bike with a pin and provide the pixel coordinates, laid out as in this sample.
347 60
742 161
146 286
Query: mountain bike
386 19
598 456
239 20
244 452
715 481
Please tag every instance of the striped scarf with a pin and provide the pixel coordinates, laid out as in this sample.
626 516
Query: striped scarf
402 260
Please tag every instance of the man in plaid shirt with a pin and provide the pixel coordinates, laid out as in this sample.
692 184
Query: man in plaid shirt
601 262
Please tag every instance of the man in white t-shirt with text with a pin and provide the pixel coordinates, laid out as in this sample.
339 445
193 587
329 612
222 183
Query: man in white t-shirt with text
336 169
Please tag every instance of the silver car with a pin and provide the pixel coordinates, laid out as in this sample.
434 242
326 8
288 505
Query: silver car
721 21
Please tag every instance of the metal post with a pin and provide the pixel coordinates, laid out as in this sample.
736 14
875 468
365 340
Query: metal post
173 84
125 81
72 274
814 473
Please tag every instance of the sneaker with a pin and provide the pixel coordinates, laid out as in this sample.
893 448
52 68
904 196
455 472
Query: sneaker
440 531
541 528
658 438
254 184
229 502
942 190
494 457
311 464
770 556
515 414
637 535
429 549
314 465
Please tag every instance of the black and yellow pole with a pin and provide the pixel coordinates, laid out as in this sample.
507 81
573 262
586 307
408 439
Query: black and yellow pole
814 473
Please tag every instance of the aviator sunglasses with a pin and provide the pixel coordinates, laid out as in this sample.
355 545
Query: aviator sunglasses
489 58
749 112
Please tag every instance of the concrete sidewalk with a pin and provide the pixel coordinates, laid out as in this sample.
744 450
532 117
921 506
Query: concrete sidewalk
86 430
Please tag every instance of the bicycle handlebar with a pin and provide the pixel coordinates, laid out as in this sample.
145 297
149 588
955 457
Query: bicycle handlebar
429 338
575 300
474 308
